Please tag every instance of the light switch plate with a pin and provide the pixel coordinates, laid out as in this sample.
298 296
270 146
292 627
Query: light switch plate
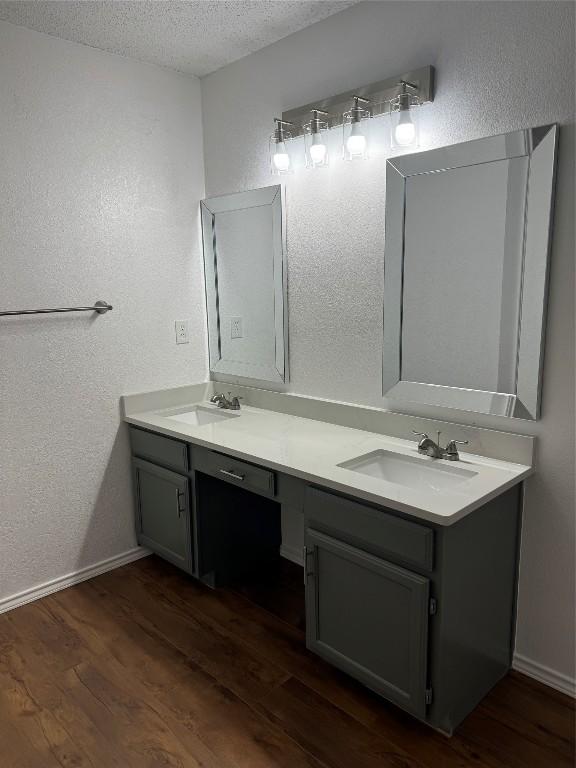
236 328
182 335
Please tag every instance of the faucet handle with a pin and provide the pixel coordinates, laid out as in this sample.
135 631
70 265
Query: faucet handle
424 441
451 451
234 402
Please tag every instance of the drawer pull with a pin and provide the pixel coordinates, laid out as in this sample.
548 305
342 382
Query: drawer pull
229 473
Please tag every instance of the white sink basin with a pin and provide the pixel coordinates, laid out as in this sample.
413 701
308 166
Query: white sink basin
411 471
198 415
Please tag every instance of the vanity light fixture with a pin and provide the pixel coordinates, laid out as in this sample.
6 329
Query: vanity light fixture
280 161
403 124
315 140
355 130
354 111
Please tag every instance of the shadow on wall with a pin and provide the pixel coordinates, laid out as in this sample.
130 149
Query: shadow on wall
114 533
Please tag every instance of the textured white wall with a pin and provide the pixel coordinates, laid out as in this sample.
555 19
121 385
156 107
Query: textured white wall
101 172
501 67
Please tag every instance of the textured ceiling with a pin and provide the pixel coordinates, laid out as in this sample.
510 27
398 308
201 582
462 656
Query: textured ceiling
195 37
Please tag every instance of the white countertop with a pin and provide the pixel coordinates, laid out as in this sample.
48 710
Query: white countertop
312 450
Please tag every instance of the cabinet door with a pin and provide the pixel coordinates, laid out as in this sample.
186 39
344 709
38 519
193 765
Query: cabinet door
163 513
369 618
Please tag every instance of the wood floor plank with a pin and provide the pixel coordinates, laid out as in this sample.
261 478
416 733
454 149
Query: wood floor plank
198 708
37 725
249 625
144 667
59 645
334 735
21 746
158 671
265 635
46 689
493 737
534 712
248 674
105 725
129 718
432 749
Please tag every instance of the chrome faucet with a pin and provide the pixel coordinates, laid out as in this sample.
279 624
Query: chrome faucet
429 447
229 403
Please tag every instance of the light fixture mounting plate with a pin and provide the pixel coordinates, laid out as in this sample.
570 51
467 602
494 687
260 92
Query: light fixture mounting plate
378 94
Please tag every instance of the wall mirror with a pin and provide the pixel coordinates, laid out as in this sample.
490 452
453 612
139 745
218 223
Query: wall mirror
466 264
245 275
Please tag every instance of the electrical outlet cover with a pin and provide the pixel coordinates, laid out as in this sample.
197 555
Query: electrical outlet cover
181 328
236 328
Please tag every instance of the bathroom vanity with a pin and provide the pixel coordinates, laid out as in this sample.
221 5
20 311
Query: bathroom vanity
410 563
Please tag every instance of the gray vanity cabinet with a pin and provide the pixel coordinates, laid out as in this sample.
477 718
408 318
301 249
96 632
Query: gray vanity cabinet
369 618
422 614
163 514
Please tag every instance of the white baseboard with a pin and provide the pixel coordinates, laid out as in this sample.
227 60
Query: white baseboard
292 553
61 582
551 677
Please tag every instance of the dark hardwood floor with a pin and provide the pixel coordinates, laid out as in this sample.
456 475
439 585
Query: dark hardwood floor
143 667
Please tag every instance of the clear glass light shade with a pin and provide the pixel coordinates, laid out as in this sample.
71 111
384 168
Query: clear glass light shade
356 134
316 144
404 121
281 153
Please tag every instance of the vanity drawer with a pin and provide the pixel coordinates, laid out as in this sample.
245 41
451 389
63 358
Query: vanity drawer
159 449
372 529
235 471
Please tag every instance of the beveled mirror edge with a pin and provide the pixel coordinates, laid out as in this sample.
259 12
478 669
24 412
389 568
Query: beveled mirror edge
273 195
392 318
536 271
529 375
210 284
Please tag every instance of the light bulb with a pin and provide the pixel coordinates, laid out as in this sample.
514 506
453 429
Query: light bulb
317 149
405 131
356 142
281 158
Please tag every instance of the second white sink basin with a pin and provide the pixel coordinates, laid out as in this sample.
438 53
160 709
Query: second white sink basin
198 415
410 471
